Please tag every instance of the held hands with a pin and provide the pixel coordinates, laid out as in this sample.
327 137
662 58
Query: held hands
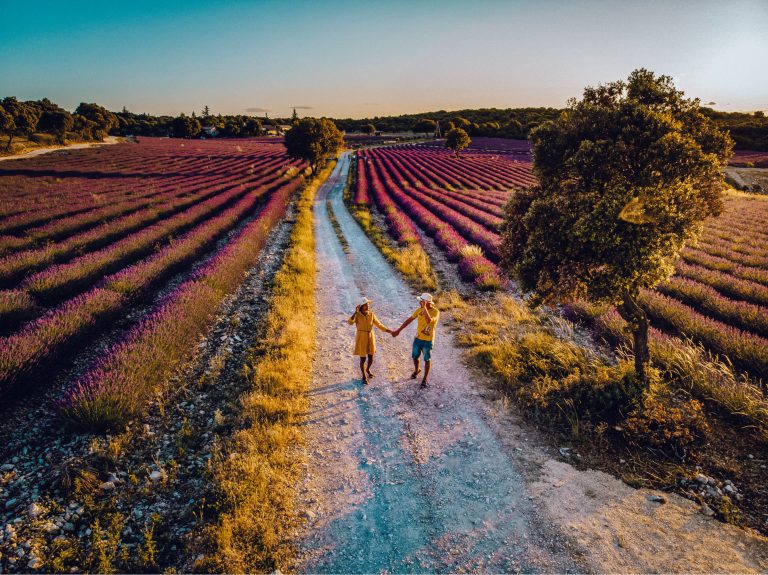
395 332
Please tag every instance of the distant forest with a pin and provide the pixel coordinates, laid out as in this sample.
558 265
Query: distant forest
44 121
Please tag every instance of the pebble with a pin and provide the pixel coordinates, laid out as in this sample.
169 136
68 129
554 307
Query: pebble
7 467
107 486
35 563
11 503
707 510
35 510
69 527
657 499
703 479
156 475
50 527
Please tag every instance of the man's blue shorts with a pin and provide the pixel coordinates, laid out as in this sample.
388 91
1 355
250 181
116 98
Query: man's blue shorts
422 346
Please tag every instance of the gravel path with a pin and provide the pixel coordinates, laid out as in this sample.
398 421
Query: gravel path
451 479
400 479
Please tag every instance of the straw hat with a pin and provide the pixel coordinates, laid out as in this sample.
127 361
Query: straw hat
363 301
426 297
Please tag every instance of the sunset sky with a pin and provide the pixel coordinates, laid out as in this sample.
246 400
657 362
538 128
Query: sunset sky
359 59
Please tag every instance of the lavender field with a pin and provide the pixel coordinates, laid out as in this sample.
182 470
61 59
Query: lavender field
89 235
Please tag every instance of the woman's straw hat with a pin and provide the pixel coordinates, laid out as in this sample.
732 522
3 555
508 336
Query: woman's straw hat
363 301
426 297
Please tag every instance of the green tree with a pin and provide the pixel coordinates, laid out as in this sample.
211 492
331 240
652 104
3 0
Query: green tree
24 117
7 125
185 127
252 127
294 117
462 123
457 140
626 177
369 129
232 129
56 122
313 140
105 120
85 128
425 126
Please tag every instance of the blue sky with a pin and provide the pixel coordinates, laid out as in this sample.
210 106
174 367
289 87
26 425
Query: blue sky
358 58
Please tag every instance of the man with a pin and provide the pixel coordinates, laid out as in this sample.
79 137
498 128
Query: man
426 317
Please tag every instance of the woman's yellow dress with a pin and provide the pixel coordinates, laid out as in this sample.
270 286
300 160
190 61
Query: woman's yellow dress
365 341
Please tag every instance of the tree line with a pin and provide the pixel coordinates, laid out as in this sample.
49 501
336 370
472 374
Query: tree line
748 130
489 122
192 125
46 122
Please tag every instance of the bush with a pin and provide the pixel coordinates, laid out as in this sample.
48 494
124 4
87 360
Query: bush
667 424
43 139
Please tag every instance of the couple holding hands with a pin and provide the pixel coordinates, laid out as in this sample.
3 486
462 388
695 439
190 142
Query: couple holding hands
426 317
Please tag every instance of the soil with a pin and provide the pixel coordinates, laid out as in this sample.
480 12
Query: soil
450 478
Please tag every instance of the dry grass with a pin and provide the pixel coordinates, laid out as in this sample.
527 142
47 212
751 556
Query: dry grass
410 260
691 367
257 476
543 371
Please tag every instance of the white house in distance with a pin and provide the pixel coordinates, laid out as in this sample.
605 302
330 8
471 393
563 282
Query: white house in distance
208 131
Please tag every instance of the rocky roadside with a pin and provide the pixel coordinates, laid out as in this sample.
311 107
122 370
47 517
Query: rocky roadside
137 500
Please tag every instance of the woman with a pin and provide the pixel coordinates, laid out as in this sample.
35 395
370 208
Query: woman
365 341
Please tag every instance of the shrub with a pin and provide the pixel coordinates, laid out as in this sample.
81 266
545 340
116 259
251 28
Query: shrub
43 139
667 424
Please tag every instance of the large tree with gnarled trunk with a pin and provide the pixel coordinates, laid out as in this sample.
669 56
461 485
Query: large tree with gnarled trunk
626 177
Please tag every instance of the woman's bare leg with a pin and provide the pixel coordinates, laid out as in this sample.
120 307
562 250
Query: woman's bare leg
370 363
362 369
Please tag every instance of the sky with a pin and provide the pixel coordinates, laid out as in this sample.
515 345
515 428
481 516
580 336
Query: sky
362 58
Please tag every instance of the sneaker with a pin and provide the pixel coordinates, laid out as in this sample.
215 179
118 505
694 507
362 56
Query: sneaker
365 381
415 373
424 384
370 375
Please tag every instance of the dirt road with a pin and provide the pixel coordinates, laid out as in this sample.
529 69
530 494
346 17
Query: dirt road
40 151
403 479
399 479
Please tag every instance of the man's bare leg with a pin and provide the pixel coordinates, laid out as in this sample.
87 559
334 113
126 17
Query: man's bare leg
416 368
427 367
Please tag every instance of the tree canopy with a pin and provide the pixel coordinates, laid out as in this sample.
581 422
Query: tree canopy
313 140
369 129
425 126
185 126
56 122
105 120
457 140
24 118
626 177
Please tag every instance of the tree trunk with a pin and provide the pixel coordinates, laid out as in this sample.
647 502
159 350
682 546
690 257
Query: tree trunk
8 145
638 322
